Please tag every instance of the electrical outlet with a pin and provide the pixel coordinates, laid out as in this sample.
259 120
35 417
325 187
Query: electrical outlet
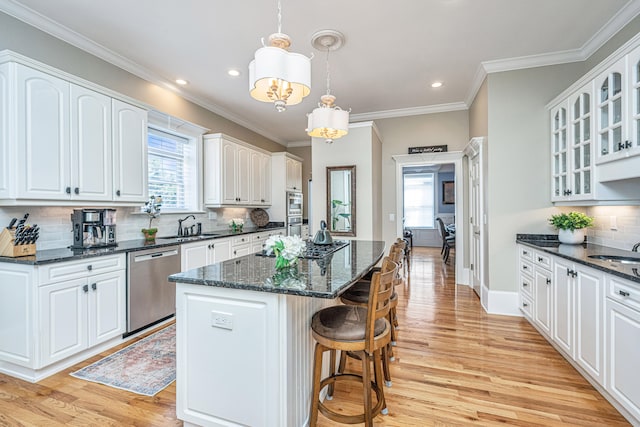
392 217
221 320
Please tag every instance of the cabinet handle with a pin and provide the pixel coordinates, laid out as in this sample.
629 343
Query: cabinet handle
548 281
94 286
568 272
118 193
524 304
234 252
524 267
623 293
76 190
540 259
67 190
85 288
628 144
89 267
574 274
525 284
525 253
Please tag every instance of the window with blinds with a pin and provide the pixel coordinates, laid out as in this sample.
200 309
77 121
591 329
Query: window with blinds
171 164
419 200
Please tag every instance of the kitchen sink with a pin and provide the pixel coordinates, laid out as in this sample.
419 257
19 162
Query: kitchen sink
617 258
181 238
210 234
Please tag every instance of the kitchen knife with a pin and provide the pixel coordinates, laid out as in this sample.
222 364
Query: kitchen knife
11 224
34 237
23 220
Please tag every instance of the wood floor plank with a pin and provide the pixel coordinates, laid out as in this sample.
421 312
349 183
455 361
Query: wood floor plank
455 366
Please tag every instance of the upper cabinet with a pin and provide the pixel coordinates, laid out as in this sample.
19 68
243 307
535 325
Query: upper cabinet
595 133
294 175
286 173
64 142
235 174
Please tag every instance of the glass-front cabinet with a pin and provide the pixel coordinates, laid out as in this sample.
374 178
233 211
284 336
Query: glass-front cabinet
572 147
634 102
612 134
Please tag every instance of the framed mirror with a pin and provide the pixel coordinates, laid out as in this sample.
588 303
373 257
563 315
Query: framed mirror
341 200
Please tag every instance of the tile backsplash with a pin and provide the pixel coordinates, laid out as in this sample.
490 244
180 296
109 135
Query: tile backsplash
625 220
55 222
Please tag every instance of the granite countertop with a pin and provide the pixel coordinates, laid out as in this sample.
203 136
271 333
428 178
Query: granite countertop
48 256
326 277
580 254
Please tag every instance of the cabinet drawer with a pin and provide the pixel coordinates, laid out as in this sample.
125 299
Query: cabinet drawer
543 260
259 237
526 253
625 292
57 272
526 306
526 267
526 285
240 240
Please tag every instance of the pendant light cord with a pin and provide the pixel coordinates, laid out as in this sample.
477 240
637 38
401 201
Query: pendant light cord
279 17
328 74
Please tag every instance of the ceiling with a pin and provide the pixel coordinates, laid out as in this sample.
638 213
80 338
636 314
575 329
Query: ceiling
392 53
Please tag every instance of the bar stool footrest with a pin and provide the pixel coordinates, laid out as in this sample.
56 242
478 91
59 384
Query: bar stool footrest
351 419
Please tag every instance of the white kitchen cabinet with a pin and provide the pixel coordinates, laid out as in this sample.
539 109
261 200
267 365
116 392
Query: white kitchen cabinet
231 173
80 313
261 179
623 336
91 151
240 246
42 135
589 318
542 294
525 280
207 252
563 312
286 175
130 175
611 112
304 234
67 142
258 240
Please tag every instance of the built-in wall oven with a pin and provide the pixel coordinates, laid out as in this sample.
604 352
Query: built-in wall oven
294 225
294 213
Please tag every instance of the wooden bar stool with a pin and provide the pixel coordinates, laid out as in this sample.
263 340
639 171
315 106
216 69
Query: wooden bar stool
364 331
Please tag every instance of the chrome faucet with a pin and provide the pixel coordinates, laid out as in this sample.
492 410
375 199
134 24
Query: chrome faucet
635 247
180 221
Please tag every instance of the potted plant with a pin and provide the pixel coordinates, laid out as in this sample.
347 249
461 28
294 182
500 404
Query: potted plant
151 208
571 226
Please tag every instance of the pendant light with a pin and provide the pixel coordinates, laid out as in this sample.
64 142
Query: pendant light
277 75
328 121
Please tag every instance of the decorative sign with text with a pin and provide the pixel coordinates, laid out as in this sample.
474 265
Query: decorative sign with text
428 149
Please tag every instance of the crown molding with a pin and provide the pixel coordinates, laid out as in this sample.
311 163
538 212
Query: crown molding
43 23
414 111
615 24
297 144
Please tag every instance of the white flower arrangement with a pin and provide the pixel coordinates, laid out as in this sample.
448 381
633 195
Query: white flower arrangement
286 248
236 224
152 208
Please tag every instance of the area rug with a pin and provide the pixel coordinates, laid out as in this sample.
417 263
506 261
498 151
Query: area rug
145 367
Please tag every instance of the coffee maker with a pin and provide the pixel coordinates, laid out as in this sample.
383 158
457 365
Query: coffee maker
93 228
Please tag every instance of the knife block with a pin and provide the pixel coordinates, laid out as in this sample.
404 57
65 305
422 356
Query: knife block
7 248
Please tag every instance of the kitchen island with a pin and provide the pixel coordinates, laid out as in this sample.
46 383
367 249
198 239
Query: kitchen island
244 344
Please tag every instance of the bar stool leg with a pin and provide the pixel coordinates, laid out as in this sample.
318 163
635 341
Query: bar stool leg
366 386
315 389
332 368
378 365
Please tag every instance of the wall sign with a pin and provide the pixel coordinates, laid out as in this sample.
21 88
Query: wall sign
428 149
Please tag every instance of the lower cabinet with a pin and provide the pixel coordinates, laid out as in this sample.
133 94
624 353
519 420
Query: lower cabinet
199 254
80 313
240 246
623 343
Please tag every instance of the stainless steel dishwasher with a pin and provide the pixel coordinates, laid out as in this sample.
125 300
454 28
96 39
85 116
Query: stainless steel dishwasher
150 296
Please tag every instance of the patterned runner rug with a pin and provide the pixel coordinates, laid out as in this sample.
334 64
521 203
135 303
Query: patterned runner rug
145 367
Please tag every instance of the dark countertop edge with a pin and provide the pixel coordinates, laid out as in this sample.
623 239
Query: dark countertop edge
278 290
533 241
65 254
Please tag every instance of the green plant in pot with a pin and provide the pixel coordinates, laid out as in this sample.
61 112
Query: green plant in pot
151 208
571 226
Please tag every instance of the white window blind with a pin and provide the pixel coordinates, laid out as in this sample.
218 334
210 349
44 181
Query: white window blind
419 200
171 164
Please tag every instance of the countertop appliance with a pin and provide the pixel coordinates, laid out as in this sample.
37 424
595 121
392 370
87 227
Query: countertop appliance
93 228
151 298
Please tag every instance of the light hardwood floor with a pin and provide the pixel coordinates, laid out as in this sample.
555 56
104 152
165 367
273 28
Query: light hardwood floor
455 366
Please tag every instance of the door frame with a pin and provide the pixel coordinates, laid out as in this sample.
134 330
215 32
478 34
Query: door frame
455 157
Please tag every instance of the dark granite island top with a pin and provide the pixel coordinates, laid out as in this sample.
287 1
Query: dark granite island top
325 277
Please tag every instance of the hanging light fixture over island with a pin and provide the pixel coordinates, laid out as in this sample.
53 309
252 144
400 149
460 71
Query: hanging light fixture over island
277 75
328 120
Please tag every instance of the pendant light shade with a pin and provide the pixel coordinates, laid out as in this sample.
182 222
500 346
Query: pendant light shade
277 75
328 121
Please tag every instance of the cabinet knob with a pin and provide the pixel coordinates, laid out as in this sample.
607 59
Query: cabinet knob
89 267
234 252
540 259
524 267
525 253
548 281
76 190
85 288
94 286
525 284
524 304
67 190
623 293
118 193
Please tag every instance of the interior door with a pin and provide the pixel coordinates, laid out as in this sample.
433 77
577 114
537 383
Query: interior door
475 219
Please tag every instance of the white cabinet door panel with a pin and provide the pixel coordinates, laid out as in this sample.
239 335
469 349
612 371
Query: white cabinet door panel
107 300
589 301
129 153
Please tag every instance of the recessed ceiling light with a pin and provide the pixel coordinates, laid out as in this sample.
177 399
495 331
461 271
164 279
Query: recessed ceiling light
233 72
181 82
436 84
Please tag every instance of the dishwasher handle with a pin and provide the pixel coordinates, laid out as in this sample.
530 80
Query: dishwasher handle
147 257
